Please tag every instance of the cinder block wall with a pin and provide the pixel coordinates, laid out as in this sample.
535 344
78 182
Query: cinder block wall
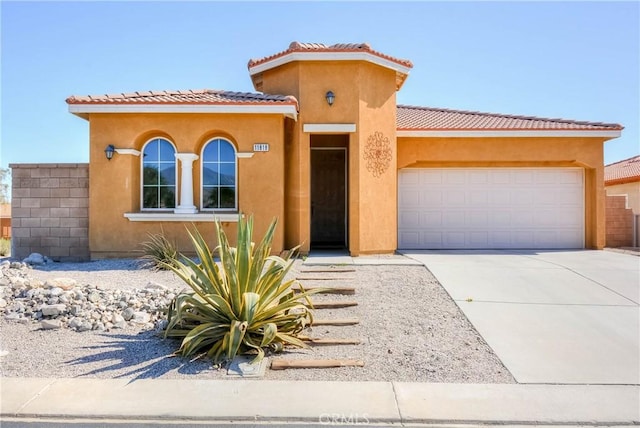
619 223
50 210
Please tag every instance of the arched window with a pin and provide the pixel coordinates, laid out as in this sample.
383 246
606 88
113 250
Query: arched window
219 176
158 175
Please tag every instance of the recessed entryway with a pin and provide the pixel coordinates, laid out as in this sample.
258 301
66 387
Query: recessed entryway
329 216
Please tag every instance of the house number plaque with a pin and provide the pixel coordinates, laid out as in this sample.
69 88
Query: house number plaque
261 147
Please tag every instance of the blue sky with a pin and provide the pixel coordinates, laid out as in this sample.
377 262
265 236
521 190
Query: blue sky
575 60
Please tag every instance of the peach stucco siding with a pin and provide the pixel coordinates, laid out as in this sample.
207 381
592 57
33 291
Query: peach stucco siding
115 185
632 192
586 153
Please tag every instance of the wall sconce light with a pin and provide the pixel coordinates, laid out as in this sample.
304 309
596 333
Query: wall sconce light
330 98
109 151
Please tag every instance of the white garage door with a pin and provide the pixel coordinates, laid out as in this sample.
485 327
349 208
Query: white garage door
490 208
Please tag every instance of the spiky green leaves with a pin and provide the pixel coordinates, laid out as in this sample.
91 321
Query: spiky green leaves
240 304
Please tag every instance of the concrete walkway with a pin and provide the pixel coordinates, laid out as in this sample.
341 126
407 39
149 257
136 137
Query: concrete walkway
342 258
83 402
569 317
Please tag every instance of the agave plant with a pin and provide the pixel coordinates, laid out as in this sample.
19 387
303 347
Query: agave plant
159 251
241 305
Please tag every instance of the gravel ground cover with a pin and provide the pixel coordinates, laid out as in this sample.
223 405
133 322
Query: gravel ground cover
411 330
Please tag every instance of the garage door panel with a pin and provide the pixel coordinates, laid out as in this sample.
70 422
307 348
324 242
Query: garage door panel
478 177
500 177
499 198
491 208
432 198
478 219
409 198
454 219
411 219
411 239
524 177
409 178
545 198
479 198
455 177
479 239
432 219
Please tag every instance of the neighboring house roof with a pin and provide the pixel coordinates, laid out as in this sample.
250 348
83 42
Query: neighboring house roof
413 121
320 52
624 171
188 101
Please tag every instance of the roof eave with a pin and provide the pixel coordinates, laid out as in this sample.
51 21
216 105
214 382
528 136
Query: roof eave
83 109
498 133
402 71
624 180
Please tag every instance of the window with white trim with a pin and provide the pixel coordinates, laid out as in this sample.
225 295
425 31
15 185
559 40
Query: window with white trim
159 174
219 176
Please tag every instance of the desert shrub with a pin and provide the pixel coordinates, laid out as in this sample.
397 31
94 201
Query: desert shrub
159 251
5 246
242 305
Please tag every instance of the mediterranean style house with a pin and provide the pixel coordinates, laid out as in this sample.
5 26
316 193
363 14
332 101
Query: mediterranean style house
323 146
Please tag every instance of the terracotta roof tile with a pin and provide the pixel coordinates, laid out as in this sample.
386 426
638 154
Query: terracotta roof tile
428 118
201 96
320 47
623 171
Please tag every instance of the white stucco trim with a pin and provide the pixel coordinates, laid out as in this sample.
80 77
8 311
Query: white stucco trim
509 133
169 216
328 127
329 56
286 110
133 152
244 155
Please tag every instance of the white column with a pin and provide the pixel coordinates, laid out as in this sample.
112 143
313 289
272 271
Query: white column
186 205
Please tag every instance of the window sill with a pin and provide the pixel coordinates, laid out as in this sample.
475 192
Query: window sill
169 216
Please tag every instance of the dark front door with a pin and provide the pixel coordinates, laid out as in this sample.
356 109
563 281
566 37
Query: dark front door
328 198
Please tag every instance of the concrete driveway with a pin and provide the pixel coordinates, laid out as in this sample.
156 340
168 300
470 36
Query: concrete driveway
551 316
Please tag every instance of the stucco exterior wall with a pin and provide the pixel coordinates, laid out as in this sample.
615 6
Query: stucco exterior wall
586 153
377 156
49 210
365 96
631 190
115 185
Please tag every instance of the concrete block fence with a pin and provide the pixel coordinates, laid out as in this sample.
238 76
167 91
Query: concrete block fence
620 222
50 210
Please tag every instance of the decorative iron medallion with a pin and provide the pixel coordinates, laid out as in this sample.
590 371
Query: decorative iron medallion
378 154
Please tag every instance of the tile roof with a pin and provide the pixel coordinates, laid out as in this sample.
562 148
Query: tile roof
429 118
623 171
202 96
321 47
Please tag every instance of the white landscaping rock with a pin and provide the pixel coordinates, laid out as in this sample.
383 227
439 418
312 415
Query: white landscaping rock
53 310
155 286
64 283
35 259
141 318
128 314
51 324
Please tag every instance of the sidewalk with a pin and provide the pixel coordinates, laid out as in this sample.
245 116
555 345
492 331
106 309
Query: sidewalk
95 402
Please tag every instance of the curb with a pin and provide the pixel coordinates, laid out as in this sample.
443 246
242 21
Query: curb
113 402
